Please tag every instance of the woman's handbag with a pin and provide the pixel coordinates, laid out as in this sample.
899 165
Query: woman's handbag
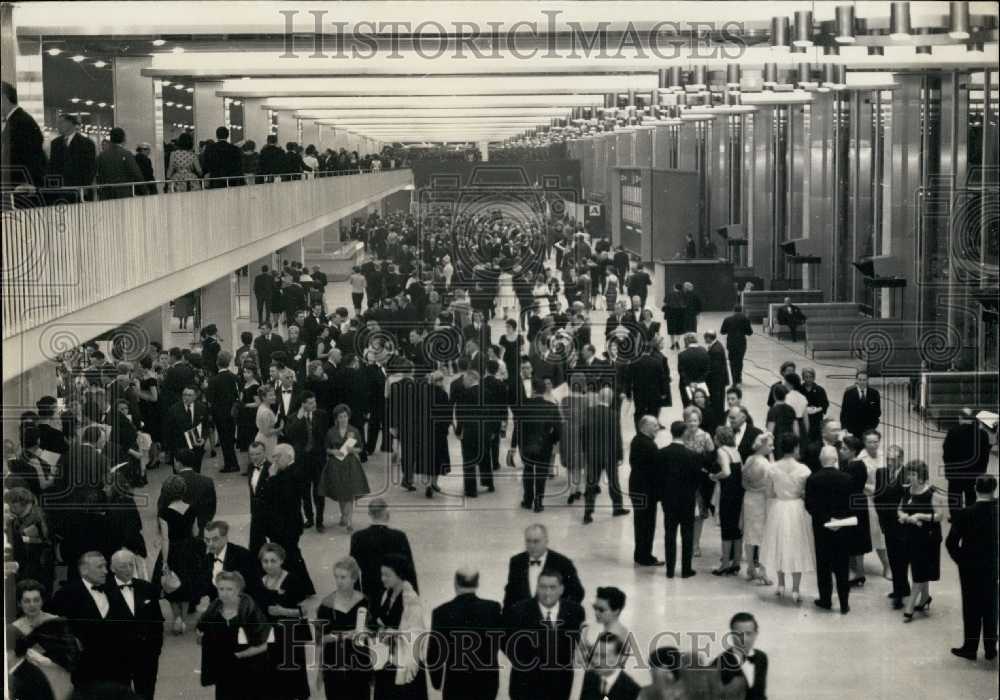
169 581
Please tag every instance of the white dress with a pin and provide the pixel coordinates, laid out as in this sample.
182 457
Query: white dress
788 537
872 464
541 294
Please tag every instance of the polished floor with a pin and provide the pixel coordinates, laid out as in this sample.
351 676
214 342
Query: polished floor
869 653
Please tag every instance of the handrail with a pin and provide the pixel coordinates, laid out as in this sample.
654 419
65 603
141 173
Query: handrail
78 194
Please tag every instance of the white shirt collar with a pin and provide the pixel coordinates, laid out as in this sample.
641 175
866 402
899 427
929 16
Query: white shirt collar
610 680
554 610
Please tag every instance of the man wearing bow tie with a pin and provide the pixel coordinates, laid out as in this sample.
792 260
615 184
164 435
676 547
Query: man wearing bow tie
742 666
605 679
185 416
289 399
257 475
306 431
223 555
525 568
138 625
84 603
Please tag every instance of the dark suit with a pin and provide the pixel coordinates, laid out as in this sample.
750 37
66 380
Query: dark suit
542 653
538 432
792 317
222 394
972 544
263 288
138 633
237 559
97 638
463 648
736 328
310 458
376 377
889 492
27 682
681 477
732 676
693 365
281 413
75 165
223 159
624 688
117 165
179 421
649 385
199 494
518 588
828 495
257 537
175 379
282 521
602 442
857 415
470 415
718 379
644 486
22 152
745 448
266 346
966 455
370 546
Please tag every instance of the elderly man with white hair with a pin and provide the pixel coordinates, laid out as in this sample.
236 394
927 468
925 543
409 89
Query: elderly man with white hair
828 496
138 624
281 517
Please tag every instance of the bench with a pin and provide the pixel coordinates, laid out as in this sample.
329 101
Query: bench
755 302
873 340
817 310
943 395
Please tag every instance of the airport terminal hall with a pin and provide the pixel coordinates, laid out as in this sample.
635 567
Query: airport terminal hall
500 350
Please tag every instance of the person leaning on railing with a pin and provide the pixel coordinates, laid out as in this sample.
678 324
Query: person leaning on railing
184 168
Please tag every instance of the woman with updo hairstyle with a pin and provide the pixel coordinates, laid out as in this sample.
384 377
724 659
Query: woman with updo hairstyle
920 514
729 476
701 443
233 635
279 594
50 643
181 550
343 479
342 618
184 168
266 419
755 485
859 539
398 621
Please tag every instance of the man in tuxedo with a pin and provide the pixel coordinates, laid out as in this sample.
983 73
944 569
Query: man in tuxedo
370 546
644 487
223 555
972 544
680 479
966 455
464 643
184 416
523 570
306 431
692 307
817 403
693 365
222 160
718 375
538 425
82 471
179 375
21 145
85 604
741 665
263 288
479 331
790 315
604 678
223 395
72 156
137 624
313 324
736 328
828 496
289 400
889 492
743 433
280 508
199 491
470 415
543 632
267 343
495 398
861 407
376 375
26 680
649 384
621 262
257 475
602 440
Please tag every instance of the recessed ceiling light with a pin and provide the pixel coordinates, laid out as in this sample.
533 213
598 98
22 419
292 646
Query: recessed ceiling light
159 42
78 58
178 86
170 104
187 107
89 102
100 64
102 105
190 89
245 77
74 100
54 51
165 83
177 49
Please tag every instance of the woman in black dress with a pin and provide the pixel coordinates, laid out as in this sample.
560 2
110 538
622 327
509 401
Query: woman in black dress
512 343
246 427
781 418
673 313
342 616
149 407
398 620
404 402
233 635
180 549
729 476
708 420
435 458
280 595
860 537
920 515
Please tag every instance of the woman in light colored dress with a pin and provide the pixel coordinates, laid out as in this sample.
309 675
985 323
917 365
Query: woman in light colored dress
184 169
788 538
343 478
701 443
756 476
541 294
873 459
267 421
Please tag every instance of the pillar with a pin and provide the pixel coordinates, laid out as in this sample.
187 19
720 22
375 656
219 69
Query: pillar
8 52
310 133
219 306
484 150
256 121
288 127
209 110
139 107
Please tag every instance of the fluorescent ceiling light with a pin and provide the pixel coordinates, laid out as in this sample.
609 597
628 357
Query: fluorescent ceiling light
424 102
442 112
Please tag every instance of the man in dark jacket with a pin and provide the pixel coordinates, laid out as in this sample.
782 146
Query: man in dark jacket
271 161
524 569
263 288
680 477
644 488
142 159
464 643
370 546
73 157
223 394
602 442
718 375
736 328
23 155
138 623
649 384
117 165
827 497
223 160
861 406
966 454
693 365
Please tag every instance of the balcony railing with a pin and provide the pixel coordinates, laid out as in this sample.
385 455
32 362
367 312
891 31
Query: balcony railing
66 257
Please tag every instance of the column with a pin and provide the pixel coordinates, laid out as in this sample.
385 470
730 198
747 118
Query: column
288 127
209 110
8 54
139 107
256 121
219 306
484 151
310 133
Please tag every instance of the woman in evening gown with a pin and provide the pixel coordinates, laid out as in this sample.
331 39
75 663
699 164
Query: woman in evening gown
279 595
756 473
729 477
398 621
342 616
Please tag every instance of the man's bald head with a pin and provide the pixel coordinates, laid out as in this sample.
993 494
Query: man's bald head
828 456
648 425
466 579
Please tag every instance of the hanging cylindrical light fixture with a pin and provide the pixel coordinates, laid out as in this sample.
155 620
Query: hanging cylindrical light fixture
770 75
699 80
877 50
779 33
803 28
733 75
845 24
958 20
662 76
805 80
925 48
899 21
